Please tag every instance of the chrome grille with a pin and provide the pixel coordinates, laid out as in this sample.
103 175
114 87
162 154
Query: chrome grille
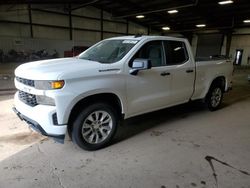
26 81
27 98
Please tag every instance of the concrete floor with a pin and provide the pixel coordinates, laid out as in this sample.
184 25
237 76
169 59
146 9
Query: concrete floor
173 148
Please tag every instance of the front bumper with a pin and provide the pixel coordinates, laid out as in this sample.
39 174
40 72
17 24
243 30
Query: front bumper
39 118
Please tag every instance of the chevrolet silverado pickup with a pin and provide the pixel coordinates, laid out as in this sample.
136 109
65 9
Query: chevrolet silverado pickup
117 78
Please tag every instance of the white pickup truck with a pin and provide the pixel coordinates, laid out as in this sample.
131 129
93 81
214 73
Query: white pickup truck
115 79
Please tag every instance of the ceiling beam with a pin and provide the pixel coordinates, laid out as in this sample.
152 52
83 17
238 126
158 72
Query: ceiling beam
138 12
84 5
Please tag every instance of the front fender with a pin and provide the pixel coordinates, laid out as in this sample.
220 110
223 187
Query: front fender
80 97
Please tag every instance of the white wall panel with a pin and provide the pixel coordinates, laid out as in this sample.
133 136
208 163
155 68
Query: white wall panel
28 44
109 35
242 31
135 28
8 43
49 18
88 37
241 42
85 23
51 7
153 32
108 16
112 26
14 13
50 33
50 38
88 11
10 29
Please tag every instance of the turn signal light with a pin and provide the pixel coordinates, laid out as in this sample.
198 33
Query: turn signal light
57 84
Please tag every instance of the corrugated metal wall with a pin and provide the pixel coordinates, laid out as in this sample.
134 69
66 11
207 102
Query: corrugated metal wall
51 31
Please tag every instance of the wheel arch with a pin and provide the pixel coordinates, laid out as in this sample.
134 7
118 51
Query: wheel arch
218 80
221 80
109 98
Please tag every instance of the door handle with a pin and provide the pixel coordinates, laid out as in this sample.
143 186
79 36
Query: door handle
189 70
165 73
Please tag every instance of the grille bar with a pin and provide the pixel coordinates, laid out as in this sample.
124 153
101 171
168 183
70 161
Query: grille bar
26 81
27 98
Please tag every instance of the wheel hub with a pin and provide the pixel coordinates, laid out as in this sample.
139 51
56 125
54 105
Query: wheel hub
97 127
216 97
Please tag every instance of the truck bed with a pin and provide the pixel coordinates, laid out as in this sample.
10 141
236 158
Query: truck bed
207 68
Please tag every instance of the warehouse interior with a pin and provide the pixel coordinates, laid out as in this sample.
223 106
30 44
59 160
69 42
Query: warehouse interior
211 28
181 147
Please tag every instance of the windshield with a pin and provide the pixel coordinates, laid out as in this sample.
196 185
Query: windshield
108 51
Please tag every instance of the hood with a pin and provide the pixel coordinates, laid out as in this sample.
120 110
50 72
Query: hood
55 69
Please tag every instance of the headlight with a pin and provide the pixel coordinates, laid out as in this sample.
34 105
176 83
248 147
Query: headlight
48 85
41 99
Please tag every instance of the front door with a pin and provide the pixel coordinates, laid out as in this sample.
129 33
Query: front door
149 89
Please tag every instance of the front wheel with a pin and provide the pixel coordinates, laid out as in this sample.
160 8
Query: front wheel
95 126
214 97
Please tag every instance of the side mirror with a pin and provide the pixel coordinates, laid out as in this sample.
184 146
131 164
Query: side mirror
140 64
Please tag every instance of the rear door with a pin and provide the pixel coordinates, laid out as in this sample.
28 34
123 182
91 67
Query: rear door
182 71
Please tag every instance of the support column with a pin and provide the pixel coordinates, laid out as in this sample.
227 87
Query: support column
70 24
149 29
228 45
101 24
127 27
30 21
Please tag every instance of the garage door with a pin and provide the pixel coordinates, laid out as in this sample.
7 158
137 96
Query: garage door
209 44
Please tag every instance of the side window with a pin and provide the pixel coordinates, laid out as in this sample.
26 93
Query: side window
152 50
176 52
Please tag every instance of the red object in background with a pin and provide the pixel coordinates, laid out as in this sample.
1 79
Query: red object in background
68 54
76 50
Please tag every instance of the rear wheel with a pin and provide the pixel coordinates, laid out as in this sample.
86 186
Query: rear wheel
95 126
214 97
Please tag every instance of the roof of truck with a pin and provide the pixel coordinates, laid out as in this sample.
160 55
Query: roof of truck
144 37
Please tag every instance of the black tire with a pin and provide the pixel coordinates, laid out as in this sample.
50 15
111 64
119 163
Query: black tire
83 120
214 97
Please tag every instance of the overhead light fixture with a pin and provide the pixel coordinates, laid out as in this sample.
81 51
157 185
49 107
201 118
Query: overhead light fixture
246 21
225 2
140 16
165 28
201 25
172 11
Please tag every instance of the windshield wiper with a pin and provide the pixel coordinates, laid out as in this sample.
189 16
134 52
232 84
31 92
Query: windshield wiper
90 59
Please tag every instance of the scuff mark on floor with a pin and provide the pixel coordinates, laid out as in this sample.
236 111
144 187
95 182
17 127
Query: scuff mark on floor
55 175
210 161
156 133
